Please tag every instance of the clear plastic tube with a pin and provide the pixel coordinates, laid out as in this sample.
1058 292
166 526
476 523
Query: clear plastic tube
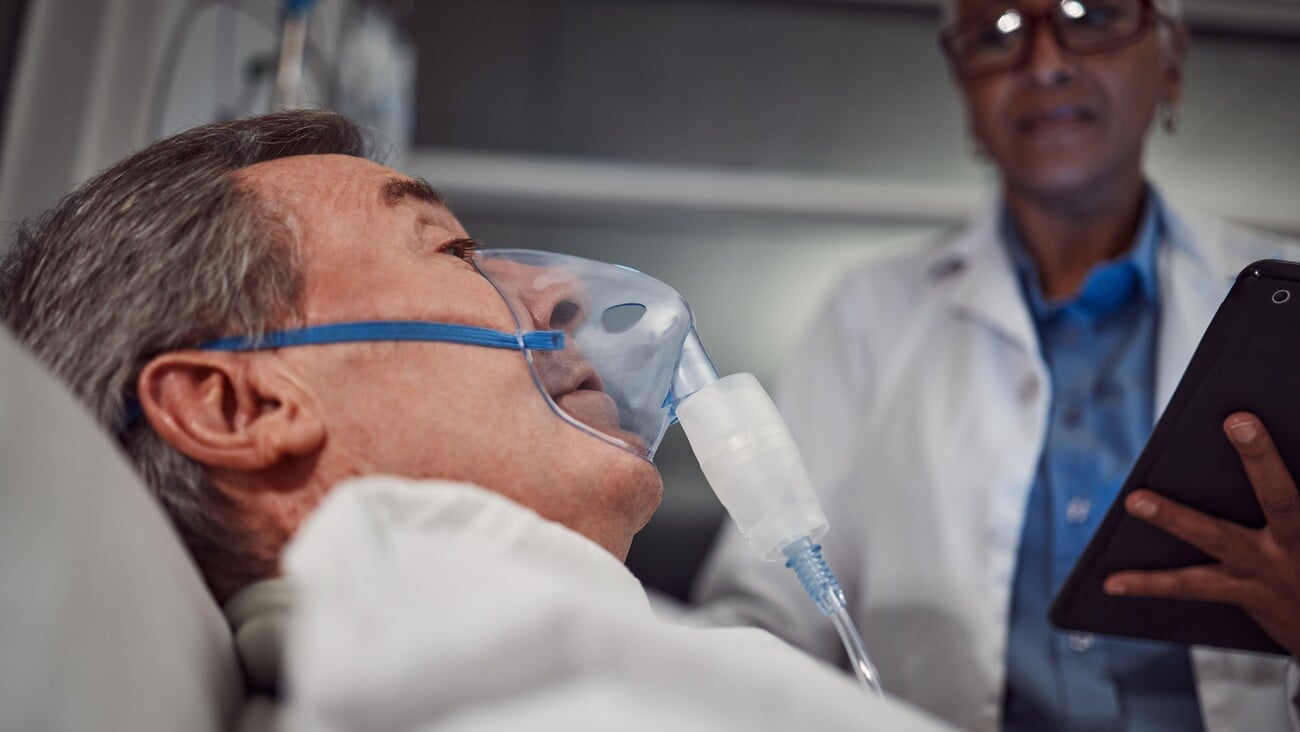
862 666
805 558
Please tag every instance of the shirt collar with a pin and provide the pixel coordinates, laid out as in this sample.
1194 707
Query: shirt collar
1109 284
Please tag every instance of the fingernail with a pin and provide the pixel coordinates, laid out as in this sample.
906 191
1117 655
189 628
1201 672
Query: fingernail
1142 507
1113 587
1243 432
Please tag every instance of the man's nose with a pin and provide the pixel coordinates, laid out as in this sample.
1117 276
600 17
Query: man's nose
560 304
1049 63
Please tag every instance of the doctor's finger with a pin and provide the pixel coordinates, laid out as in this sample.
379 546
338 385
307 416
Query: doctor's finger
1272 482
1223 540
1208 583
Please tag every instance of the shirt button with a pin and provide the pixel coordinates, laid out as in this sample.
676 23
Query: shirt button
1077 510
1080 642
1072 416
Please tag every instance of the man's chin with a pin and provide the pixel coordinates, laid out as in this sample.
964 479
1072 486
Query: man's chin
654 492
640 485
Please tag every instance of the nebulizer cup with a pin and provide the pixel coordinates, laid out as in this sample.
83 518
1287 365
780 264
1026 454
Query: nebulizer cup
750 459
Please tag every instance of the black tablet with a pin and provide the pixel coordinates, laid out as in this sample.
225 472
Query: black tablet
1248 360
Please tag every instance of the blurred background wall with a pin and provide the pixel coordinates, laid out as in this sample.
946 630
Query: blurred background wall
745 151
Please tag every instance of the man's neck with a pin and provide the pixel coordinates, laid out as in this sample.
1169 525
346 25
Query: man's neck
1067 235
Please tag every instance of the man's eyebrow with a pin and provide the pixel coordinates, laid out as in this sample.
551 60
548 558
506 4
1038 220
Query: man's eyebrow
397 190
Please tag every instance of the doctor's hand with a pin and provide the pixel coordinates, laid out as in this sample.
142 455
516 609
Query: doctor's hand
1258 569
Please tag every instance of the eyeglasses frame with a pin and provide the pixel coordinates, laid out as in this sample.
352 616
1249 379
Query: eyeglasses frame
1150 18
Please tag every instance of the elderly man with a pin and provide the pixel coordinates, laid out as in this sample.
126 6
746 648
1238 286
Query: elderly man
271 223
184 294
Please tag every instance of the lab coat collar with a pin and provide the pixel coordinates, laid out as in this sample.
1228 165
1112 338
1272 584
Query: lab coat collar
978 280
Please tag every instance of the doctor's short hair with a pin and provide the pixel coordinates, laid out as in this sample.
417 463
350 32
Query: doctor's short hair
162 251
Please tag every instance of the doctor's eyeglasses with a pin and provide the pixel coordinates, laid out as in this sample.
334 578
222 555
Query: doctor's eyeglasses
1002 40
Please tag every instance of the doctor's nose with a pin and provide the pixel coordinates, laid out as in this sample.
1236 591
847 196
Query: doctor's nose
1049 62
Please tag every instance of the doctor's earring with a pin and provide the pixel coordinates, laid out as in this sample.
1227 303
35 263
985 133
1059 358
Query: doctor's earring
1170 115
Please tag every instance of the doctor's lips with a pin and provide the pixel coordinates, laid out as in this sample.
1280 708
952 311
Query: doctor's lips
576 388
1059 115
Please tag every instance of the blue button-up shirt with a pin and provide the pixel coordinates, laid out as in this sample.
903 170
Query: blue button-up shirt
1099 347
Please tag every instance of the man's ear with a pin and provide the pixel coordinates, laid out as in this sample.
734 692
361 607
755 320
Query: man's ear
232 411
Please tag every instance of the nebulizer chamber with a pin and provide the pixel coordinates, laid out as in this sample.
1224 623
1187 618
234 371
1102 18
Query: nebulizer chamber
750 460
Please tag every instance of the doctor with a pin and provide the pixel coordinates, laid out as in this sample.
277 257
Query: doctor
969 412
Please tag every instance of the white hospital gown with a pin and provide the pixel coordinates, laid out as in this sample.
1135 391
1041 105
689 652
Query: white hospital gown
441 606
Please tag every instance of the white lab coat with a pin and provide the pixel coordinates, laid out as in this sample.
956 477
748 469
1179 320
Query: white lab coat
920 401
441 606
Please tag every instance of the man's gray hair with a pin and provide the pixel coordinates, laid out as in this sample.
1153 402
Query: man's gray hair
161 252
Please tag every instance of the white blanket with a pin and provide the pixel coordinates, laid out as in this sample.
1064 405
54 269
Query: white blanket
441 606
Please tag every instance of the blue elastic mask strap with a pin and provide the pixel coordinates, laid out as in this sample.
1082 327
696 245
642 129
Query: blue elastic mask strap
392 330
372 331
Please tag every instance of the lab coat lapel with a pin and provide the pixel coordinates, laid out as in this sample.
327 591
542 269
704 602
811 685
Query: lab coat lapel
980 284
978 280
1191 290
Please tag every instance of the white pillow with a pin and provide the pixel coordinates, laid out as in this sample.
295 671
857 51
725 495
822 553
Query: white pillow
104 621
